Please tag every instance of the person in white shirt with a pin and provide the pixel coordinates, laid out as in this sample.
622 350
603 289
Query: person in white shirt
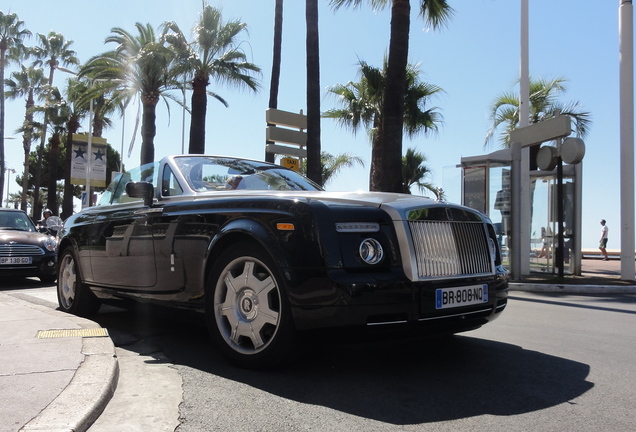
602 244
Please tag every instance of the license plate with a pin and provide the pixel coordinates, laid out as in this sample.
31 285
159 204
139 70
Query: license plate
460 296
15 260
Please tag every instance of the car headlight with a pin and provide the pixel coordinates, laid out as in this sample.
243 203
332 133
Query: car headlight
493 249
371 251
49 244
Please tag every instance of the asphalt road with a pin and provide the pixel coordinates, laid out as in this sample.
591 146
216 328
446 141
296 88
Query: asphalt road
550 363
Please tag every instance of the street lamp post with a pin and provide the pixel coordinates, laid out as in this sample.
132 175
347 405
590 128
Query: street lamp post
9 171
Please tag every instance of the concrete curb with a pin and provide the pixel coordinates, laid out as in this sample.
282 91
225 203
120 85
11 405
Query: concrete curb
89 391
572 289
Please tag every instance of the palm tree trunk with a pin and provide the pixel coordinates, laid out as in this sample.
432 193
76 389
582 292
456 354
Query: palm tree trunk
391 145
148 131
375 173
51 200
314 171
25 177
3 50
276 61
67 201
37 205
27 138
197 117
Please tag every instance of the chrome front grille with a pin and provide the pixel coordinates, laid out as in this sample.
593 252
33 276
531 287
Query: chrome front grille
450 249
17 250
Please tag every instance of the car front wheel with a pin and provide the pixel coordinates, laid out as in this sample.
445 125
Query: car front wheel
72 295
247 309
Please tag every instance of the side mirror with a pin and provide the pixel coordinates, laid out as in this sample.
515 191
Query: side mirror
143 190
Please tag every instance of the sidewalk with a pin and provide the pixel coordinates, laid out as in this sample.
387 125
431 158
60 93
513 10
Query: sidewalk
597 277
58 371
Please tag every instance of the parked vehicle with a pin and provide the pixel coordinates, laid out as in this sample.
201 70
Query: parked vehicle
268 255
24 251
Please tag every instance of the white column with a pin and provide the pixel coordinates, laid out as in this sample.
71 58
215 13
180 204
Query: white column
626 80
523 246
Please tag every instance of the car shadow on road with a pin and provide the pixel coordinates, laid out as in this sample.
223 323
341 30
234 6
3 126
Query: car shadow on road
395 382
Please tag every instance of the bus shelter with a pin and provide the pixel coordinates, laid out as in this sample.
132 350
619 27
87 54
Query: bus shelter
487 187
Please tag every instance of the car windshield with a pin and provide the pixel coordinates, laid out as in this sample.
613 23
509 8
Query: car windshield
204 173
16 221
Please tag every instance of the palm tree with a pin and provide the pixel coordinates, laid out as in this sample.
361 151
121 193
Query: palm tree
53 49
215 53
77 110
12 35
363 107
544 105
276 61
331 165
435 13
414 172
140 65
313 92
28 83
56 111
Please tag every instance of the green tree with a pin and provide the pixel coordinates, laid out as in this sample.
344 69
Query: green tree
113 161
415 172
76 111
435 13
140 66
28 83
544 105
363 107
52 50
56 111
12 35
215 54
331 165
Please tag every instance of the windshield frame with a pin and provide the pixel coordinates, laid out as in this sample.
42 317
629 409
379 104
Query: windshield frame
218 173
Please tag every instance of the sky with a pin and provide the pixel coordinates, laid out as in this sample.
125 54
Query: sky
474 60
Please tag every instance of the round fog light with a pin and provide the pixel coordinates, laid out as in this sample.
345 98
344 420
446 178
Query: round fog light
371 251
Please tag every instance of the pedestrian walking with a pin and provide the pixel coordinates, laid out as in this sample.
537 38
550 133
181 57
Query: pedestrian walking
602 244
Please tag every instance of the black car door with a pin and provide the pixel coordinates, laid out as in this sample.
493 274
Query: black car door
122 252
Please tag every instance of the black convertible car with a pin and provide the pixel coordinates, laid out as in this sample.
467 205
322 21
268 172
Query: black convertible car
268 255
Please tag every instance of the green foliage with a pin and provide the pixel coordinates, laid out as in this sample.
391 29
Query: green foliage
544 105
331 165
414 172
113 160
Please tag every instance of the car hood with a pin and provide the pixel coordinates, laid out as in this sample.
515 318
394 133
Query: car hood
22 237
395 204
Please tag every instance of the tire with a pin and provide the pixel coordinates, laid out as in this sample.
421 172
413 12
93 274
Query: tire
247 309
74 296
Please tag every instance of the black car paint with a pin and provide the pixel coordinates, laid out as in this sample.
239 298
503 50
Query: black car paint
327 285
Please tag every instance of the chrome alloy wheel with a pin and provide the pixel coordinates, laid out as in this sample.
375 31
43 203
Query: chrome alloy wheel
67 282
247 305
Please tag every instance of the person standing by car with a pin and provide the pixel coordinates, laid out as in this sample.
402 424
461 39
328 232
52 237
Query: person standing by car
602 244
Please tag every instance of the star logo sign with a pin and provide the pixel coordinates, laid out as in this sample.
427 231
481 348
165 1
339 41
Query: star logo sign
79 153
99 155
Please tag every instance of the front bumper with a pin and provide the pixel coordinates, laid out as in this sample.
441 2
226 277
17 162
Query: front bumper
344 300
40 266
